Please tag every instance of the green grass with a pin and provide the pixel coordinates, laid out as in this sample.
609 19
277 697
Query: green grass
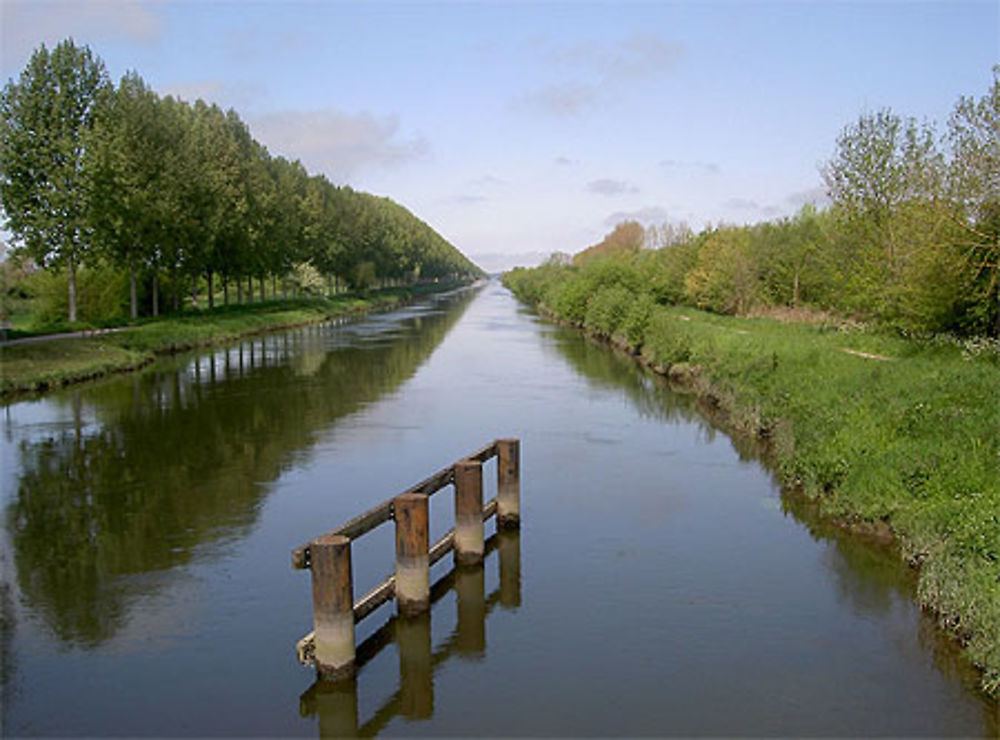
46 364
907 437
36 367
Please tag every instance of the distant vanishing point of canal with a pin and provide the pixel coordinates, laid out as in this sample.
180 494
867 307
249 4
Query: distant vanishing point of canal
662 584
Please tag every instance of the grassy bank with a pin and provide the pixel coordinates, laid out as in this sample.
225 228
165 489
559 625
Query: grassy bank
51 363
885 433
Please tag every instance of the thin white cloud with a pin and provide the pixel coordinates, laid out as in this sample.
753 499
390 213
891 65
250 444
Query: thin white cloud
562 100
607 186
564 161
646 216
638 56
746 204
338 143
600 71
26 24
238 95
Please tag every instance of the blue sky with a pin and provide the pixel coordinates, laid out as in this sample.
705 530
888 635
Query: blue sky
521 128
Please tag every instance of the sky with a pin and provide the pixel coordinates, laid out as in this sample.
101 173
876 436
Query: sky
517 129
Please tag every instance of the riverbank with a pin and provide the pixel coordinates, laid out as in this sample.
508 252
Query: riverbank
885 434
42 364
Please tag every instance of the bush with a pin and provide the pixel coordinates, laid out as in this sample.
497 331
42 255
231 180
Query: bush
606 309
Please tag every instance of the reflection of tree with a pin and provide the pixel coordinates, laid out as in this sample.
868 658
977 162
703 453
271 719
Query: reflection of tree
6 644
177 461
603 368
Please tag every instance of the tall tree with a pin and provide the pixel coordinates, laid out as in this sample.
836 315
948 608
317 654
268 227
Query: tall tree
125 164
974 180
44 117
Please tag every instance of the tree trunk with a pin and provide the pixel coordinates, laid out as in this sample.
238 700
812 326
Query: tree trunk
72 291
211 291
133 302
156 294
274 286
795 291
225 290
263 284
249 288
239 291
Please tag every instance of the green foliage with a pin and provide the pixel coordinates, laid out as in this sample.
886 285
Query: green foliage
725 276
102 298
875 427
44 120
607 309
175 193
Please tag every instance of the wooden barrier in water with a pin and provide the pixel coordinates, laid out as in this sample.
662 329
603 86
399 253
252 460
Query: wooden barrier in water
331 644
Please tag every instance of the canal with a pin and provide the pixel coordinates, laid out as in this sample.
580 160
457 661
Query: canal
660 583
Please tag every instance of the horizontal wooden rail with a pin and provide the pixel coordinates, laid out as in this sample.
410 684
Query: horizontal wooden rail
378 515
386 590
331 643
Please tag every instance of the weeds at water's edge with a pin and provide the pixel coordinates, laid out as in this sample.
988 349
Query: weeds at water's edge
908 449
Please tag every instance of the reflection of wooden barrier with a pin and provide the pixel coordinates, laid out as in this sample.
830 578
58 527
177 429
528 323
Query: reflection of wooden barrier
331 645
335 703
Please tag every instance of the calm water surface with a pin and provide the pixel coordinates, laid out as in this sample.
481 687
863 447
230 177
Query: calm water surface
659 584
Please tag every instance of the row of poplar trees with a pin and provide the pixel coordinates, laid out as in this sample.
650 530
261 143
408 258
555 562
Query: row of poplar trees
93 173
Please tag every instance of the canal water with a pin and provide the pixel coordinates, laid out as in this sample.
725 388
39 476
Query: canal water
660 584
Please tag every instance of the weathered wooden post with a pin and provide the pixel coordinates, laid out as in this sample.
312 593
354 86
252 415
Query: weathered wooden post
416 681
469 541
508 483
413 572
333 606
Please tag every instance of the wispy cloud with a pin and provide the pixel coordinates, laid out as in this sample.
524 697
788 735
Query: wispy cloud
599 71
338 143
238 95
27 23
640 55
676 165
646 216
561 100
746 204
607 186
564 161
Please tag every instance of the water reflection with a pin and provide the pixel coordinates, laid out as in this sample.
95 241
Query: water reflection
145 473
869 576
335 705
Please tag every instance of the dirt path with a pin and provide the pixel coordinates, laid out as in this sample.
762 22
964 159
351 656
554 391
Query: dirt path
65 335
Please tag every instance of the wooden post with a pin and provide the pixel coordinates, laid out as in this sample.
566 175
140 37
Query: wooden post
413 572
333 606
508 483
469 545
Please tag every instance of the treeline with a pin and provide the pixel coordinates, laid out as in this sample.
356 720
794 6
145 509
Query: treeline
911 240
180 195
